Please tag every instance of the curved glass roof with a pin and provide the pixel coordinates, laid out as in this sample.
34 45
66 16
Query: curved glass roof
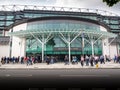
62 25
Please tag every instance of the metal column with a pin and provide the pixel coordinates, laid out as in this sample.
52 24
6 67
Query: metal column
92 44
69 41
43 41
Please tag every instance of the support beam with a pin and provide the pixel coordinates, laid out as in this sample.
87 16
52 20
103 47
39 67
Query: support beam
69 49
43 41
20 46
110 44
69 41
76 36
36 37
63 38
111 41
98 39
92 44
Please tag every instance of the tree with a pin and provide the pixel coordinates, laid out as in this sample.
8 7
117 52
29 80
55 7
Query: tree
110 3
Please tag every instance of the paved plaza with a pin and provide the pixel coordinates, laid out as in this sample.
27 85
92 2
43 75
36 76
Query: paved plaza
58 66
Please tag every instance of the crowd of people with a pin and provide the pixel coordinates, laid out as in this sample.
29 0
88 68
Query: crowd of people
83 60
92 60
29 60
88 60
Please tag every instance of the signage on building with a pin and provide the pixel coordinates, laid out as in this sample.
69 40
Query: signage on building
66 49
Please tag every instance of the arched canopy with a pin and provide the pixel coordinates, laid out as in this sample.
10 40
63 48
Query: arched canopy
26 33
56 25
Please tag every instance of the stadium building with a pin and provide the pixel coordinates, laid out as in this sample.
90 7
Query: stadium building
57 31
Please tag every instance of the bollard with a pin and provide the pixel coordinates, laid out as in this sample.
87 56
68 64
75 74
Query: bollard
97 65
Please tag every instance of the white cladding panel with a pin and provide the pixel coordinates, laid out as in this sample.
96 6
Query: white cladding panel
4 51
113 50
20 27
105 47
102 28
18 44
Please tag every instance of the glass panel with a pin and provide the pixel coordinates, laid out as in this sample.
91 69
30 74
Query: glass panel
2 17
1 33
114 22
114 26
10 17
2 23
9 22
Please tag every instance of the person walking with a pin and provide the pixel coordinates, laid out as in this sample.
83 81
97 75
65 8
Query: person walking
13 59
115 58
87 60
32 60
91 60
82 61
74 60
48 60
66 60
52 60
28 61
96 58
118 59
2 60
22 58
102 59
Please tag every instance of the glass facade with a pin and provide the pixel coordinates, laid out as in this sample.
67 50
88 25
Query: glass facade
58 46
66 25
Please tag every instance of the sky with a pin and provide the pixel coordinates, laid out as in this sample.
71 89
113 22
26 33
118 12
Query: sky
91 4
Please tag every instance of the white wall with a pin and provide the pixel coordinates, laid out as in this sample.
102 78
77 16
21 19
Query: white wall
18 44
103 29
108 50
105 47
18 47
20 27
4 50
113 50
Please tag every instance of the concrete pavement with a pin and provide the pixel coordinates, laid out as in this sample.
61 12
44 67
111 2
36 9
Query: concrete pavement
58 66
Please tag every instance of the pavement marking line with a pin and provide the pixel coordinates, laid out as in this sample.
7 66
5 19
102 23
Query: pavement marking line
7 75
84 75
19 75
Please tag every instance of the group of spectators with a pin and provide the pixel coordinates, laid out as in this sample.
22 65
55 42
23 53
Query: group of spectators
116 59
88 60
28 60
83 59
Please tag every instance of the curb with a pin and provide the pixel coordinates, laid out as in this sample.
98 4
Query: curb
50 68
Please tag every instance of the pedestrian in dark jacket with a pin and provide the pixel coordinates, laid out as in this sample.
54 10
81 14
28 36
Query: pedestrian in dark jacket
82 61
118 59
66 60
91 60
48 60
